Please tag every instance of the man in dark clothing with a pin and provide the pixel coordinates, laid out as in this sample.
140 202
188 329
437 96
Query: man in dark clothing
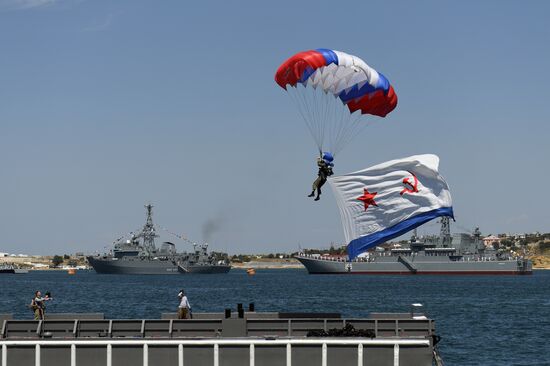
325 171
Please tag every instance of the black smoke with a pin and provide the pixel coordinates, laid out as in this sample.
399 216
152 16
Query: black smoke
212 226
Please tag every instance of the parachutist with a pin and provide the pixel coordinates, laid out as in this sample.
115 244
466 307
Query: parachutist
324 162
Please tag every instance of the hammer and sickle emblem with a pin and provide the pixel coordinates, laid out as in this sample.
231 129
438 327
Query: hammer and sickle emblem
410 187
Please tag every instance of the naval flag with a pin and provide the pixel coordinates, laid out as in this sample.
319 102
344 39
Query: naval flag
387 200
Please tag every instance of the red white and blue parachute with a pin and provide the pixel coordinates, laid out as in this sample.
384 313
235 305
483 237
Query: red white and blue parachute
334 90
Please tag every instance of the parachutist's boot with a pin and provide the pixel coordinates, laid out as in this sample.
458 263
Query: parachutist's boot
317 198
311 194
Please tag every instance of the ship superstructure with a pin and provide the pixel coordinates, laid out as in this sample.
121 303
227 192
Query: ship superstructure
460 253
140 255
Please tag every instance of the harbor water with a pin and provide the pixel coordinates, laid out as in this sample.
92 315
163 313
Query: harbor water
483 320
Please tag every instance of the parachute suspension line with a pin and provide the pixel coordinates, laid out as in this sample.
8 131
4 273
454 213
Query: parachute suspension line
350 131
319 115
357 123
300 109
333 117
360 124
306 115
342 121
309 113
326 112
330 111
304 109
331 126
326 107
319 121
343 126
320 118
310 99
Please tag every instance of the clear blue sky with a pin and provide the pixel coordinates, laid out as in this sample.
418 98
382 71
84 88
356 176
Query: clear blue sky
106 105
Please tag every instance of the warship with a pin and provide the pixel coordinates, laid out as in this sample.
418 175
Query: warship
460 253
12 269
140 255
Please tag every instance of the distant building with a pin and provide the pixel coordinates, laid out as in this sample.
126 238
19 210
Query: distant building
490 240
4 254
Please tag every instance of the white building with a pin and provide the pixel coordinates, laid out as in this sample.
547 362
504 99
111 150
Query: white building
490 240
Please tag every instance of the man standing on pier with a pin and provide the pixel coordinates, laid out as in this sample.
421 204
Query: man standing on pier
38 305
184 308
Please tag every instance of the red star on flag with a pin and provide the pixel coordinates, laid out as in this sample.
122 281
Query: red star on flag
368 198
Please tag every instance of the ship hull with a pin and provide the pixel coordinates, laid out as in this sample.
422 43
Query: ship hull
149 267
203 269
13 271
133 266
429 266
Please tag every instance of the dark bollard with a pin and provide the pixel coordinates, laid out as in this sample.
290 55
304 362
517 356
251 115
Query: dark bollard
239 306
241 312
227 313
251 307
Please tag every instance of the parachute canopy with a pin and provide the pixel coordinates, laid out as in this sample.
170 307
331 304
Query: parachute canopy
348 77
334 90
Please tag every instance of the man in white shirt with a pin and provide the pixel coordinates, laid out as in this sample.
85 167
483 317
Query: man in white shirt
184 307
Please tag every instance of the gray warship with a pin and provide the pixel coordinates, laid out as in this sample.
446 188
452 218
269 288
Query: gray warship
460 253
12 269
140 255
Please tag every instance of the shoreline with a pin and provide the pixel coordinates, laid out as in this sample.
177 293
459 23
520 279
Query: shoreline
40 263
272 264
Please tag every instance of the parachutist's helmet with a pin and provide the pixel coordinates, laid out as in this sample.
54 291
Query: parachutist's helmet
327 157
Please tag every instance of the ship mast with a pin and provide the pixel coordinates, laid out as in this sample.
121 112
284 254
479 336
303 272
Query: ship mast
414 236
148 232
445 232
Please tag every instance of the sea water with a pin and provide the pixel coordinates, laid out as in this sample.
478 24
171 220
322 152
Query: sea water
483 320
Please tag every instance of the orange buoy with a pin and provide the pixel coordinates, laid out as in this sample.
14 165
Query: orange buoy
71 271
251 271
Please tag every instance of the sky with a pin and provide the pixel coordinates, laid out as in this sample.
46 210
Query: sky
106 106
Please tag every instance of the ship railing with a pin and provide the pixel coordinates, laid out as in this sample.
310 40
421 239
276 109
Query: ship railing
216 344
255 324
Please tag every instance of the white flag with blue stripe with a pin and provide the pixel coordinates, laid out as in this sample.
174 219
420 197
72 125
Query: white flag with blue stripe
387 200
